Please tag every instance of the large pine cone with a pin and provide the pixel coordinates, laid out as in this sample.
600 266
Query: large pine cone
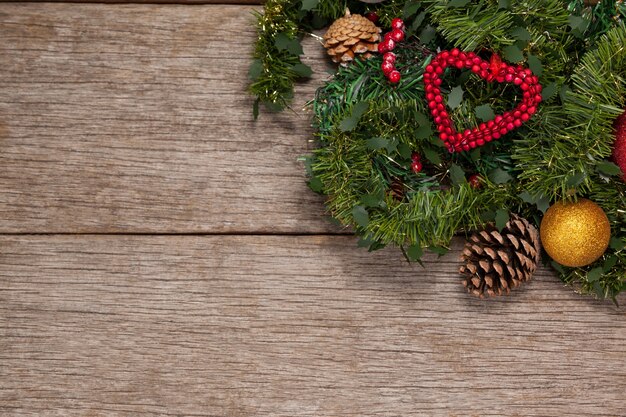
349 36
496 261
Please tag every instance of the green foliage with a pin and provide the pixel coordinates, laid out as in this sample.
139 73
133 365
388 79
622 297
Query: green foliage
368 129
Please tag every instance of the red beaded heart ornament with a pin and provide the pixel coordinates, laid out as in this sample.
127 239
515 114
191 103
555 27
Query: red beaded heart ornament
495 70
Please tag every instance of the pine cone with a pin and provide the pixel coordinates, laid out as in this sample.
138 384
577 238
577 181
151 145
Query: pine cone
397 189
349 36
496 261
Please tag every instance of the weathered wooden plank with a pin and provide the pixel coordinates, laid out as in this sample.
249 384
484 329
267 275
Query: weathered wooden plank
135 118
147 1
286 326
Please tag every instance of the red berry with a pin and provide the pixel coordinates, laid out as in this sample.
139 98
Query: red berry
416 166
389 44
394 76
475 181
372 16
397 35
389 57
416 157
397 23
382 48
387 67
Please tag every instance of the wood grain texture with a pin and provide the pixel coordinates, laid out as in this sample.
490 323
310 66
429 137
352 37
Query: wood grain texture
134 118
246 2
288 326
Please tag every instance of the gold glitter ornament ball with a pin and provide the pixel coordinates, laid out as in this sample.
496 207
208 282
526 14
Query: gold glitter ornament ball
575 234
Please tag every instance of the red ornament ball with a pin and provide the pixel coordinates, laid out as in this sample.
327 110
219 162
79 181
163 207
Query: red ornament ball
619 147
394 76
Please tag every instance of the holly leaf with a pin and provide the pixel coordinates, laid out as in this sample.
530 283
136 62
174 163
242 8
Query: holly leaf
599 290
502 218
439 250
609 263
404 150
578 23
548 92
499 176
410 8
309 4
535 65
513 54
350 122
377 143
423 132
608 168
427 34
414 253
284 43
316 185
360 216
422 119
565 90
484 112
255 109
617 243
302 70
576 179
457 175
557 267
370 243
455 97
475 155
256 69
372 200
594 274
419 19
504 4
458 3
521 33
432 156
541 201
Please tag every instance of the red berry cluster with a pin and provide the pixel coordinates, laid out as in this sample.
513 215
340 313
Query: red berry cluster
416 163
387 45
497 71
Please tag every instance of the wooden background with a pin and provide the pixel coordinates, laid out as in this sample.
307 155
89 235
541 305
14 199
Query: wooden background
160 253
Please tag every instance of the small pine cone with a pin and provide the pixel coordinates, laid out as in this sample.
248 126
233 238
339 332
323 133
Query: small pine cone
496 261
350 36
397 189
